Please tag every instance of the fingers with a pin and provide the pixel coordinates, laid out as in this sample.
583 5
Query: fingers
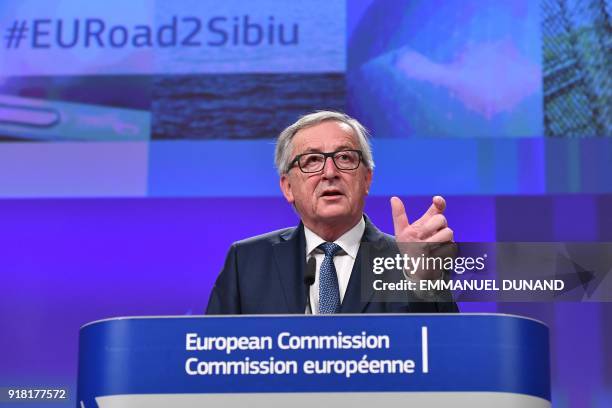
444 235
438 205
434 224
431 227
400 219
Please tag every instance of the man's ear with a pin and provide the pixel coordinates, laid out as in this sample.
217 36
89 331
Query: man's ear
285 186
368 177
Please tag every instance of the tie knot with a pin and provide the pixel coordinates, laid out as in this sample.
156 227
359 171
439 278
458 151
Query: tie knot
330 248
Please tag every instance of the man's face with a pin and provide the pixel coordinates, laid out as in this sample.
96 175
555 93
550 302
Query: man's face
331 195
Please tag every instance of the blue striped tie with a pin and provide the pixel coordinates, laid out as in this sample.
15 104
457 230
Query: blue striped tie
329 293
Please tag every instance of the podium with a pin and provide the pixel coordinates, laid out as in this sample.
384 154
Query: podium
454 360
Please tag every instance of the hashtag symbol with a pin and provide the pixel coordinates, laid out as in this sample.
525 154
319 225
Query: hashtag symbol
16 33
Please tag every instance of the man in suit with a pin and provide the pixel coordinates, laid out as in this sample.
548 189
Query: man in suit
325 165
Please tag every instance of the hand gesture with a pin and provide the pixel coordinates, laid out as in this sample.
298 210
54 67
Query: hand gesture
432 227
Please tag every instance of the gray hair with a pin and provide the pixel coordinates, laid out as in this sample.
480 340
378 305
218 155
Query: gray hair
284 145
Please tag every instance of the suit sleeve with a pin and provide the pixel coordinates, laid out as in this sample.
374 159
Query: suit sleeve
225 296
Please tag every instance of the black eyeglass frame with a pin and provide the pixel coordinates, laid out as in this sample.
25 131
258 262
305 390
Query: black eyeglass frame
297 158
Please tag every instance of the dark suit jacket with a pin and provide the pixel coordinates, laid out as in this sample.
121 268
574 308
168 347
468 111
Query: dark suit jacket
265 275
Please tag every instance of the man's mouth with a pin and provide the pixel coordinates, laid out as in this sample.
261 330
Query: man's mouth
331 193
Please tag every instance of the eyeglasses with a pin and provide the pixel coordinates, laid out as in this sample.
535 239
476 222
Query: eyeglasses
315 162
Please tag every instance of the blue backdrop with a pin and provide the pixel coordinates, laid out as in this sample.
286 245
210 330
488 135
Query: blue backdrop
136 143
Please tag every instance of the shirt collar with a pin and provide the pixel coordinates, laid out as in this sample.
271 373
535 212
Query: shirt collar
349 241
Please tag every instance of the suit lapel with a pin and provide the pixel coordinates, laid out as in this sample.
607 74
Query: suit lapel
289 254
352 302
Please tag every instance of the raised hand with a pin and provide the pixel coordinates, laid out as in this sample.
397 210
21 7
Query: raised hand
431 228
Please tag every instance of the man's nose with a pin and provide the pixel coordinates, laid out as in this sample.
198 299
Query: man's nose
329 169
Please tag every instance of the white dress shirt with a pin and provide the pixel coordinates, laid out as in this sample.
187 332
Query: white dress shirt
343 261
